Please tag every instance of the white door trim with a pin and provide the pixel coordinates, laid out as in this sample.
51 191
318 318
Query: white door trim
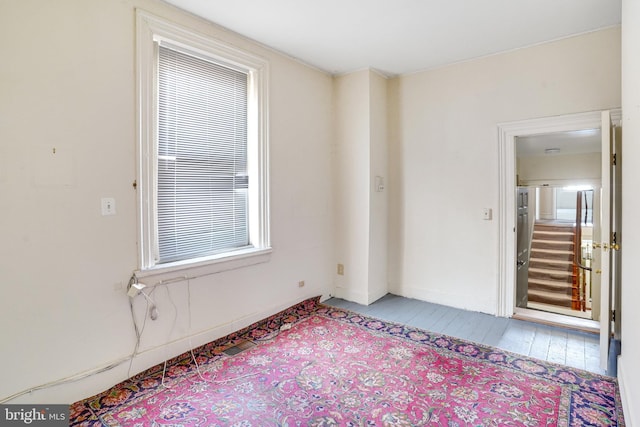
507 133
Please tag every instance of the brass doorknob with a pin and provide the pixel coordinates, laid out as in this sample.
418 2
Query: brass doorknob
598 271
605 246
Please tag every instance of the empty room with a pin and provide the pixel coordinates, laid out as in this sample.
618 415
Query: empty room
277 213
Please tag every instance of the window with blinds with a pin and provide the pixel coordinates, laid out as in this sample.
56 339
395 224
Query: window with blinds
202 179
203 159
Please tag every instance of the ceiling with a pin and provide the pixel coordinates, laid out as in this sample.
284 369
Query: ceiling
402 36
574 142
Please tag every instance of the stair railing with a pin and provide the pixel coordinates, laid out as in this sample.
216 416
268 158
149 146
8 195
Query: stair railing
580 271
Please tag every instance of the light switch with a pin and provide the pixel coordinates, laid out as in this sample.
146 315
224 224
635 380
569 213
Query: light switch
108 206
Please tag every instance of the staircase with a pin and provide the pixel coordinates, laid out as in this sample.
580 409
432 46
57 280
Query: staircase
552 278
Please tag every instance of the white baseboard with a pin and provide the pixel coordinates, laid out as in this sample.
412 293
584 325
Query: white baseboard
483 304
373 297
630 418
363 298
350 295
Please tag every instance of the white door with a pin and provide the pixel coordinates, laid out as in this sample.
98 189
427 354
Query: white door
602 253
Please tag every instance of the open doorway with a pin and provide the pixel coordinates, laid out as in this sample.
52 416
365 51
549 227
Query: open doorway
514 176
558 176
555 230
548 156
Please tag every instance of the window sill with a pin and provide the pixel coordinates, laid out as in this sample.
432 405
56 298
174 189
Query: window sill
184 270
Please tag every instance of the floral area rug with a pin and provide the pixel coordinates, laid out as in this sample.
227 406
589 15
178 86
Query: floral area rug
338 368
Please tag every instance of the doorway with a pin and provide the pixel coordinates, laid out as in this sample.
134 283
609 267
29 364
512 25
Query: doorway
555 230
558 174
514 174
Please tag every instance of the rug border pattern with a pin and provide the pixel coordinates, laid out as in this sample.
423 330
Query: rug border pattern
93 411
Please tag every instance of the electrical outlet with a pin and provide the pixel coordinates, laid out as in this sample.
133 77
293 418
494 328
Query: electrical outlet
341 269
301 284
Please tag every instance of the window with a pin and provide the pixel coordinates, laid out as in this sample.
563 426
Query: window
203 152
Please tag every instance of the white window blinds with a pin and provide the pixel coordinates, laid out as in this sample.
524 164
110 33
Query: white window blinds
202 179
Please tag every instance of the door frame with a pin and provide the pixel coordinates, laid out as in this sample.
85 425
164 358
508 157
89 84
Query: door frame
507 133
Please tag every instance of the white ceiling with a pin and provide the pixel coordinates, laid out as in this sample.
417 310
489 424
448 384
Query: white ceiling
402 36
574 142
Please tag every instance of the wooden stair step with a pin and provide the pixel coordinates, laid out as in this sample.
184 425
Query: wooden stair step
550 286
553 235
559 262
552 254
551 264
554 228
552 244
548 238
559 275
549 298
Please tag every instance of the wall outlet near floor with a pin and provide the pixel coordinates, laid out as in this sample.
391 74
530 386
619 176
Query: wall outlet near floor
301 284
341 269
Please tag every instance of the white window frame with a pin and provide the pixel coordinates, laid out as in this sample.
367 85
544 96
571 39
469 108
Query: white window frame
151 32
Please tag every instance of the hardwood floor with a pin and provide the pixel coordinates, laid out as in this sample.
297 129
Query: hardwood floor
554 344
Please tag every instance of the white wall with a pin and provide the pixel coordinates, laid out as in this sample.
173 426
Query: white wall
575 168
547 208
67 82
379 200
351 184
360 154
444 156
628 367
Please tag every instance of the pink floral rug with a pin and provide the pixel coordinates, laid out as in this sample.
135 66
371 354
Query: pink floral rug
335 367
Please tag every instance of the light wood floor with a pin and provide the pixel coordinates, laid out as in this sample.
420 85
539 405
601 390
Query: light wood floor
565 346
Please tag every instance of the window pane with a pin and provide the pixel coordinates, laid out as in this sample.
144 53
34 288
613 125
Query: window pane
202 158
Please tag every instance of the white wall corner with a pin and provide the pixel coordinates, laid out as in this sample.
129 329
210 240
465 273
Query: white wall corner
361 213
352 295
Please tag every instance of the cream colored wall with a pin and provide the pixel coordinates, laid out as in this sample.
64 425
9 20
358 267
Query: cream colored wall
379 200
360 154
444 157
351 184
576 168
628 367
547 203
68 82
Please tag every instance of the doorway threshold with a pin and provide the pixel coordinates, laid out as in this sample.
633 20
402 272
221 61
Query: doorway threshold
553 319
558 310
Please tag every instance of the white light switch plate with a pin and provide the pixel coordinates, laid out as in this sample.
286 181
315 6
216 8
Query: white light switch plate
108 206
